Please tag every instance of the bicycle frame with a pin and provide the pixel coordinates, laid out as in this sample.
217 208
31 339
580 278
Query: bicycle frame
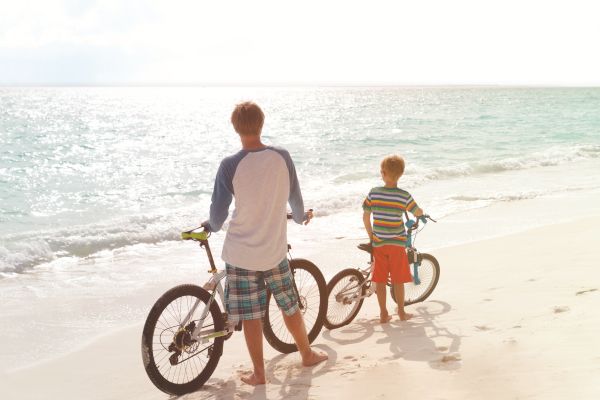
367 272
215 287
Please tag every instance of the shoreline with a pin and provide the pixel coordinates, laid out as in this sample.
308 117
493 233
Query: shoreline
509 312
331 255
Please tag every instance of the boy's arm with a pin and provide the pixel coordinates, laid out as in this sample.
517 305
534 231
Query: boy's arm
367 223
413 208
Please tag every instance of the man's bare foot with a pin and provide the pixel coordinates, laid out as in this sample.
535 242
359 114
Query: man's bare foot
404 316
385 318
253 380
314 358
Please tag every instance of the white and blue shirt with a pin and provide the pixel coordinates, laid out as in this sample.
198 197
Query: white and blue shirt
262 182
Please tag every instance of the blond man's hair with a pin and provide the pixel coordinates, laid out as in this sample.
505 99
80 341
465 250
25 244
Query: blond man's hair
247 118
393 166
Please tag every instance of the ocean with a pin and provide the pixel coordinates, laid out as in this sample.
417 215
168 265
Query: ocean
97 183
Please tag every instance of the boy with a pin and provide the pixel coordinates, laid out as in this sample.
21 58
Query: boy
387 234
262 179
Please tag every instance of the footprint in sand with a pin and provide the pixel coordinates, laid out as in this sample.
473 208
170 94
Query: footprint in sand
483 328
450 358
441 348
561 309
585 291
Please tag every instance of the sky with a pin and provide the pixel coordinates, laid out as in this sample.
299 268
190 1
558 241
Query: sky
325 42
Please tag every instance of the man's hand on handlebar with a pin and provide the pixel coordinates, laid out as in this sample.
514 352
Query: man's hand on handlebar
308 216
206 226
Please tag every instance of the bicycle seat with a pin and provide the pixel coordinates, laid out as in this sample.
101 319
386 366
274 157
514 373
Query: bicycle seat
366 247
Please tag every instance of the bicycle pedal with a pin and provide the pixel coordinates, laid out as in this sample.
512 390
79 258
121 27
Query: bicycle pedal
174 359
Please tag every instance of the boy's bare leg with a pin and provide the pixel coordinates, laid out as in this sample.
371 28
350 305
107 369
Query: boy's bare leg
295 324
254 341
399 292
383 312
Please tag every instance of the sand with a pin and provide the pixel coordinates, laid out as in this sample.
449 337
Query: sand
513 317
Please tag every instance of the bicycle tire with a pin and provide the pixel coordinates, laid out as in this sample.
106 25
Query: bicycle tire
165 318
429 274
313 294
340 312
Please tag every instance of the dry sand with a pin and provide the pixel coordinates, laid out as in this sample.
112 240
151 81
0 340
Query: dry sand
513 317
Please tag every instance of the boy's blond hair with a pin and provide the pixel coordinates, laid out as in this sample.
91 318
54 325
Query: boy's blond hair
247 118
393 166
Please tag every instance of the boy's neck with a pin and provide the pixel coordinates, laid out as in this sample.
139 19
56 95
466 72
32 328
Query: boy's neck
391 185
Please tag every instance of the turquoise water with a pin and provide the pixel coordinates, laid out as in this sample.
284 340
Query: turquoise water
89 169
97 183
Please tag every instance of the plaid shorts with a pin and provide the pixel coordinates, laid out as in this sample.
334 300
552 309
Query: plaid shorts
246 291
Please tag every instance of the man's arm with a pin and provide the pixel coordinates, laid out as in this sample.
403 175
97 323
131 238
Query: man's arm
295 198
221 198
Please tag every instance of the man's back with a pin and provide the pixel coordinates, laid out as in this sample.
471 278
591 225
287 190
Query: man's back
261 181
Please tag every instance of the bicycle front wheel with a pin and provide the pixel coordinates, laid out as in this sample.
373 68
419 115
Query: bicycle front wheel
312 299
429 274
174 362
345 293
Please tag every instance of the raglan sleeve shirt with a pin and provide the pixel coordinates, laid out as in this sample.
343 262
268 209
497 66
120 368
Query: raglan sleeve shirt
261 183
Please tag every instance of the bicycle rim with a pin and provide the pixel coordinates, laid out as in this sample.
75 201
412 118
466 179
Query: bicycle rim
344 298
311 289
175 363
429 274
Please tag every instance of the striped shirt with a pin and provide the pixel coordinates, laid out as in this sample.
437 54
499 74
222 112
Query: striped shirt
387 206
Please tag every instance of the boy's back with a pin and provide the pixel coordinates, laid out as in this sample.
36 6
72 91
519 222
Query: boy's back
388 206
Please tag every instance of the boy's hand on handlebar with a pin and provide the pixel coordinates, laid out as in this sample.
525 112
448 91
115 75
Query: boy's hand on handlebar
425 217
206 226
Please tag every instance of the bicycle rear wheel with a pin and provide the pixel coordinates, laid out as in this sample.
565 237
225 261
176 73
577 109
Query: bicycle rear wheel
312 293
429 274
344 291
174 362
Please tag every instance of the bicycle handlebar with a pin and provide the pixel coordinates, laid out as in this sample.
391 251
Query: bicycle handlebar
195 234
415 222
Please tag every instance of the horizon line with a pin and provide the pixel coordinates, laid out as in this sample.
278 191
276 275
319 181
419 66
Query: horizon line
299 85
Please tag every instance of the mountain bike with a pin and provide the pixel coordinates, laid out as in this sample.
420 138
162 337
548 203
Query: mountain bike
185 330
349 287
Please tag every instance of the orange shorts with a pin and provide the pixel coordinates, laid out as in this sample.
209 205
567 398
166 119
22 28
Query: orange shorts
391 261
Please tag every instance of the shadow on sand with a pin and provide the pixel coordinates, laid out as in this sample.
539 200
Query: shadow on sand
420 339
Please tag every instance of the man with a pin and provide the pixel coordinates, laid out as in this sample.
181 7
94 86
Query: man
262 179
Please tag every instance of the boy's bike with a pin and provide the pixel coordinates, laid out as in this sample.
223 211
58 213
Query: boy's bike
185 330
349 287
